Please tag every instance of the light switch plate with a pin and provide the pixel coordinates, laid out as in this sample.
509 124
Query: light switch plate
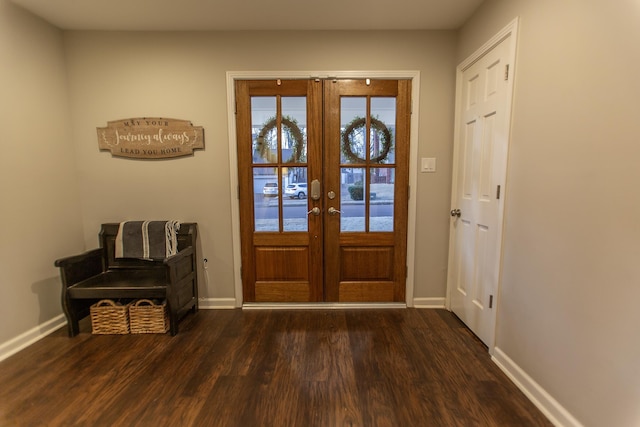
428 164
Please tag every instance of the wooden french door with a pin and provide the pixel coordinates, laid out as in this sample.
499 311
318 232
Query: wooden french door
323 189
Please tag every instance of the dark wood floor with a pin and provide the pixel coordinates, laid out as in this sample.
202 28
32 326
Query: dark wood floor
400 367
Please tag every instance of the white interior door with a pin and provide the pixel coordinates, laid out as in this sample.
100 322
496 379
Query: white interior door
480 156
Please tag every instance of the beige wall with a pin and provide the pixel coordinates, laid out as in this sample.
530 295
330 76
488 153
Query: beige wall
40 209
568 309
183 75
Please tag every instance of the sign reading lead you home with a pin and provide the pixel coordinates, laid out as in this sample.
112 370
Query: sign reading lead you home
150 138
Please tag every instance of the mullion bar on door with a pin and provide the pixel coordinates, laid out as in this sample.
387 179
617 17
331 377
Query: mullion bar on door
279 163
366 175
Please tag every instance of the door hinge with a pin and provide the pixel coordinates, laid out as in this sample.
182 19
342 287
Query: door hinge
490 301
498 193
506 72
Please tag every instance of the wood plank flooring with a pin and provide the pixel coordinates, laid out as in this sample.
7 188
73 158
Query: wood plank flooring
395 367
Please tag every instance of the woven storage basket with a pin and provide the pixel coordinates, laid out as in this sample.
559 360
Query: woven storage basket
148 318
107 317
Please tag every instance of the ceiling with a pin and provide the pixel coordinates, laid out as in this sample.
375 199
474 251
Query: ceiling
208 15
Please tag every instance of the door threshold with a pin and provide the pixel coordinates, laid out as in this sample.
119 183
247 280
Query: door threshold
320 305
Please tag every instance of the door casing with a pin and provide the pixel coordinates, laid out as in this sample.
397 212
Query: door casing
232 76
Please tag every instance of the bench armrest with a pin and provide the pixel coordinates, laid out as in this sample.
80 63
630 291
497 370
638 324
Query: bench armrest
63 262
76 268
182 289
175 259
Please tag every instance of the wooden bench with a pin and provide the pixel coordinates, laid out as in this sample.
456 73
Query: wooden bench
98 274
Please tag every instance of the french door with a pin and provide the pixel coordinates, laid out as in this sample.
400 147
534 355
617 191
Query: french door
323 189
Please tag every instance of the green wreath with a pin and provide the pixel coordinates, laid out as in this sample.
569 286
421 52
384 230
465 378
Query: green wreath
291 127
380 128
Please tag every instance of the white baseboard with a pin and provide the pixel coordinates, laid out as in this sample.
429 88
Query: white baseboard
25 339
550 407
217 303
429 302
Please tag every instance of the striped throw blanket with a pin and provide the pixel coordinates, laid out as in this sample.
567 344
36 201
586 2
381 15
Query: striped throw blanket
147 239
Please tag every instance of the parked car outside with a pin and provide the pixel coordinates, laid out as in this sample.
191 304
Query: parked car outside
270 189
296 190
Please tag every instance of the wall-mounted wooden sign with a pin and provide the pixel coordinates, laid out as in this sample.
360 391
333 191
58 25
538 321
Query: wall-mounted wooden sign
150 138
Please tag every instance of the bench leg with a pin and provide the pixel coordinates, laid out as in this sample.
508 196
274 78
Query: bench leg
173 322
73 327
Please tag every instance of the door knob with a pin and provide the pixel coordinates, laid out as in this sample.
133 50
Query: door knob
333 211
315 211
456 212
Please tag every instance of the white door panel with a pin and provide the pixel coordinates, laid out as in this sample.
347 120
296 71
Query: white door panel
480 168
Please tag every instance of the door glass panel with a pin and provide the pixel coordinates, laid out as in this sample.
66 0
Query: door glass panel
279 137
382 132
353 126
294 129
264 137
294 199
381 199
265 199
352 204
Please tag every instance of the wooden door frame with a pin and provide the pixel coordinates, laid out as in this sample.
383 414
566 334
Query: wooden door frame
232 76
511 30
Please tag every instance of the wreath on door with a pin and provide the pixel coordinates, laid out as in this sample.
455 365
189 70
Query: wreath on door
289 125
359 125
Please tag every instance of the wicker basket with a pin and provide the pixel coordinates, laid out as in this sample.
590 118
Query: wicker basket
107 317
148 318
